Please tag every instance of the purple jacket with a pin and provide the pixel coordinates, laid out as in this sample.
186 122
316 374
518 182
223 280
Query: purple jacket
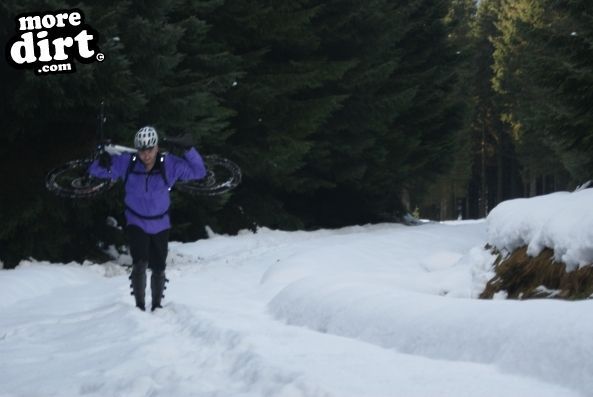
146 194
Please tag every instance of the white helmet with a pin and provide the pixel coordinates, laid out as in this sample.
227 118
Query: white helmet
146 137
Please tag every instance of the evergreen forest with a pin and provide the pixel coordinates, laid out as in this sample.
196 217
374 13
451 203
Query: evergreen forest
339 112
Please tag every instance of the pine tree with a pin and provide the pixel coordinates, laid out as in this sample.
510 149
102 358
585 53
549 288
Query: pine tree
527 71
43 118
436 117
151 75
564 76
487 129
448 196
280 99
394 132
356 152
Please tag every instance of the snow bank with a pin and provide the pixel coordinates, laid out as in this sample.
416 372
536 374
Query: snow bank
32 279
561 221
392 293
430 258
542 339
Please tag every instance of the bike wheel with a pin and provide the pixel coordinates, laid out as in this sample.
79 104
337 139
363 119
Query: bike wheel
72 180
222 176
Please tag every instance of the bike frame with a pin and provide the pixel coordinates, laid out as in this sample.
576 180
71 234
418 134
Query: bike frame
118 149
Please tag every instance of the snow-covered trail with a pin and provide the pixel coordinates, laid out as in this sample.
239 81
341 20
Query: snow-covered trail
268 314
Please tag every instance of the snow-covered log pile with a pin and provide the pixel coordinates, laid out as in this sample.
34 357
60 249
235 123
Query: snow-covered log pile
544 246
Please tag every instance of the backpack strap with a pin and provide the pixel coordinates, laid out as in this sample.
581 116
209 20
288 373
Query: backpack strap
133 160
160 163
163 170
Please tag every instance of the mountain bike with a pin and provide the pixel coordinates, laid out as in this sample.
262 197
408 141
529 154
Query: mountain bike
72 179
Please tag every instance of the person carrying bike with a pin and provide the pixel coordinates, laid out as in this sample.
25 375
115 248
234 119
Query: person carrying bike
148 177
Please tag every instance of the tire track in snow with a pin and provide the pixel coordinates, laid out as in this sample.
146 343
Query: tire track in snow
189 351
88 340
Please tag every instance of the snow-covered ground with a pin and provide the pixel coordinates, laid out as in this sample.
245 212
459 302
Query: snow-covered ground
379 310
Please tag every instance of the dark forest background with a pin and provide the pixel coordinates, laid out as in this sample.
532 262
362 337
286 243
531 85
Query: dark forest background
339 112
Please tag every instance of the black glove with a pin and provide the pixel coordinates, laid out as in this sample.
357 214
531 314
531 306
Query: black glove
185 141
104 159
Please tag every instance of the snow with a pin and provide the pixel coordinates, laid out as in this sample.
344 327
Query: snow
561 221
375 310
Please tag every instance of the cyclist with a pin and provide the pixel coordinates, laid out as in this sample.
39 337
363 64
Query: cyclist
147 185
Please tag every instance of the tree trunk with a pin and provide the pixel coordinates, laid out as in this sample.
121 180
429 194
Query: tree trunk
444 208
499 173
483 195
532 185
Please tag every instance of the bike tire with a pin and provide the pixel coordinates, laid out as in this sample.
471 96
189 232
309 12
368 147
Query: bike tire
222 176
71 180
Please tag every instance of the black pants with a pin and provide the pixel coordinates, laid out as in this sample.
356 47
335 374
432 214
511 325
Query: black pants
148 248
